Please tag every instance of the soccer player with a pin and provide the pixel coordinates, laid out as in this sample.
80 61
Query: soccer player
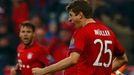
29 53
92 46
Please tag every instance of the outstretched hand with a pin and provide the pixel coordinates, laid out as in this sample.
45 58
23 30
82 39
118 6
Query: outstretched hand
14 69
37 71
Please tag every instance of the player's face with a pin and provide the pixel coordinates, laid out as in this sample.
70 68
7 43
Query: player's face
74 18
26 35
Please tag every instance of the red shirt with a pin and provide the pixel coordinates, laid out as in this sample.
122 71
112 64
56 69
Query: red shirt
33 56
96 45
60 52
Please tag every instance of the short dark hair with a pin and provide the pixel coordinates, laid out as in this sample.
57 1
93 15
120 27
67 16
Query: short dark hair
28 24
78 6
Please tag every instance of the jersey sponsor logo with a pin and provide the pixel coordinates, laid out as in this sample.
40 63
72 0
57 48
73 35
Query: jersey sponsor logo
29 56
72 43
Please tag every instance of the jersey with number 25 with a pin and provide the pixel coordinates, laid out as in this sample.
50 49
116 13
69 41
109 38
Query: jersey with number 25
97 45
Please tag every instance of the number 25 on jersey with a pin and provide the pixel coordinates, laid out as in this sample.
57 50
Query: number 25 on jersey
103 46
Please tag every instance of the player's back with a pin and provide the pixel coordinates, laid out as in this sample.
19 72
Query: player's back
99 48
97 52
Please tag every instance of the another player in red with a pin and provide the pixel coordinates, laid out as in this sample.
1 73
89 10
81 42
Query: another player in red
29 53
92 47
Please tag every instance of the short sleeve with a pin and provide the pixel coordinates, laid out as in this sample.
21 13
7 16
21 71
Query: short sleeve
77 42
43 59
43 55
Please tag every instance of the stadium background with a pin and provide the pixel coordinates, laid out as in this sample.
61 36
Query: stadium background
54 30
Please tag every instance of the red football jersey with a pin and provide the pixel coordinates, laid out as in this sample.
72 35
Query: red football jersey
97 46
60 52
33 56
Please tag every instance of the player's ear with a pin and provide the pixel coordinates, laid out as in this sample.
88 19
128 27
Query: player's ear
19 34
81 15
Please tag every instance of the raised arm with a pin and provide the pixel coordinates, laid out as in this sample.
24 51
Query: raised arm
61 65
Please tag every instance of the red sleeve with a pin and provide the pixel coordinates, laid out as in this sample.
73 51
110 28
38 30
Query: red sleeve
118 50
43 52
43 59
77 42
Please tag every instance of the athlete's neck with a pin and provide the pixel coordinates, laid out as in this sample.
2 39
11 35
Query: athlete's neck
86 21
28 45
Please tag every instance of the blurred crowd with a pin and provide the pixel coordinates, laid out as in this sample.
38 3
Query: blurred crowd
54 31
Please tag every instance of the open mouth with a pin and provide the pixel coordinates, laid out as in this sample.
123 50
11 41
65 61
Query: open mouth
25 39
